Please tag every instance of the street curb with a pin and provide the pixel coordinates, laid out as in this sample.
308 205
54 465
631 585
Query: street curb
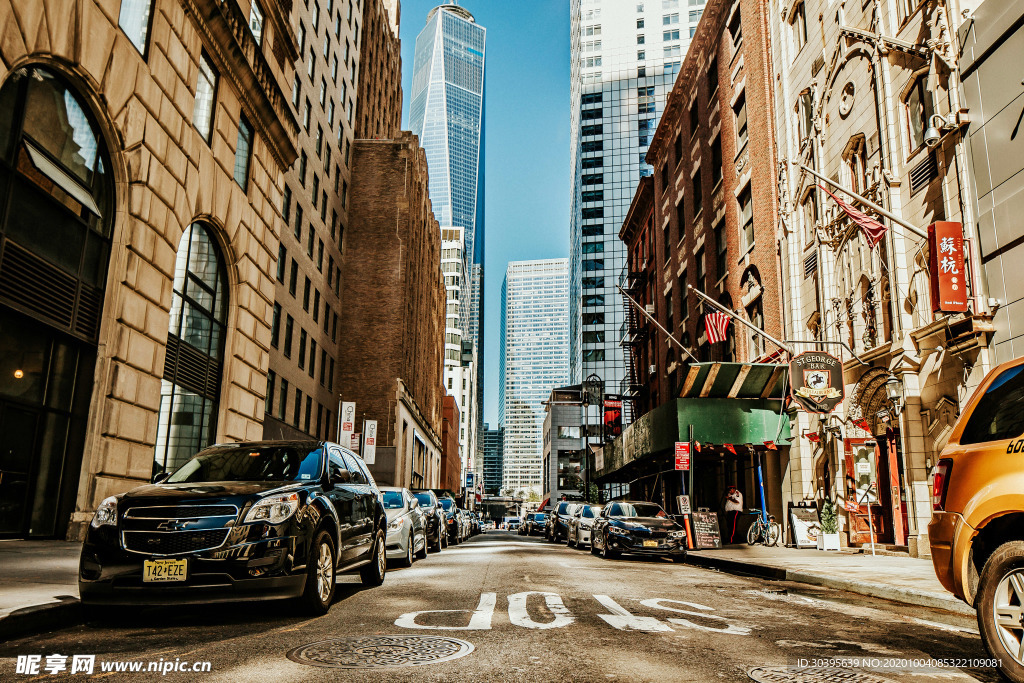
907 596
38 618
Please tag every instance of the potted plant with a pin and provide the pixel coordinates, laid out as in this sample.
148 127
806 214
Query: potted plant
828 539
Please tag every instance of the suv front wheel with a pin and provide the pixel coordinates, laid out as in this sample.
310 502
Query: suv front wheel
1000 605
320 573
373 573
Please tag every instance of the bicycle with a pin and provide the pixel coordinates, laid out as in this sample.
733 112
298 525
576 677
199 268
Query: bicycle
764 530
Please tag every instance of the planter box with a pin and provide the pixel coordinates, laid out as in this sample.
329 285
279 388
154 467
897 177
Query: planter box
828 541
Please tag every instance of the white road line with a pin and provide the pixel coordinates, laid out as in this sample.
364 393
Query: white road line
621 619
519 615
480 619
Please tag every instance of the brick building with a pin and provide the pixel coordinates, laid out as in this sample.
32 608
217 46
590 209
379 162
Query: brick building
707 219
148 143
451 460
379 101
302 398
394 316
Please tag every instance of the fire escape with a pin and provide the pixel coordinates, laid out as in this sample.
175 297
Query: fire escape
632 334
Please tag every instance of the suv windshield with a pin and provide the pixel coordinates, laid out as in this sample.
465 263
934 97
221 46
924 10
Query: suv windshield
424 499
637 510
447 503
392 500
260 463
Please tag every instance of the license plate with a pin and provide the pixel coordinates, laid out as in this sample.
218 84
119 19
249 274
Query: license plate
159 571
650 544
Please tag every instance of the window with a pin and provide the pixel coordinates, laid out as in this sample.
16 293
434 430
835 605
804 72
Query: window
297 412
698 194
298 221
593 247
283 406
694 117
640 39
206 89
669 323
134 21
713 77
593 282
302 37
593 318
286 205
593 299
681 217
746 217
593 264
798 26
289 328
588 114
593 337
683 306
303 161
640 23
593 355
755 314
702 273
593 162
588 62
716 161
307 110
641 55
736 28
593 30
740 110
593 146
311 63
805 114
593 196
998 415
268 405
592 98
905 8
596 129
190 388
672 51
919 110
275 326
593 212
721 251
316 16
670 19
242 152
312 358
592 230
670 35
592 179
306 289
302 349
282 259
256 22
293 278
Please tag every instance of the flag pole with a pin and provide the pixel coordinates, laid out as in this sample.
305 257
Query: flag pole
740 320
652 319
866 202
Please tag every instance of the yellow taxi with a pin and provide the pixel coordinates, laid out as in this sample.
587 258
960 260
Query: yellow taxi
977 527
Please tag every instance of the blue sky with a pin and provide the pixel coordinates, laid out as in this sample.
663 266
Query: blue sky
526 142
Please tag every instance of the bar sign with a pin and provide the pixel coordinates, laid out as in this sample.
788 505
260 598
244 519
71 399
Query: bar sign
946 261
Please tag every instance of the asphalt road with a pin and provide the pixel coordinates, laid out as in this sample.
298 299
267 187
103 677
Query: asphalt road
623 620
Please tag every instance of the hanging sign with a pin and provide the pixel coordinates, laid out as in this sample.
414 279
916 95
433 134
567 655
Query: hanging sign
612 416
348 423
682 455
816 380
684 504
946 263
369 441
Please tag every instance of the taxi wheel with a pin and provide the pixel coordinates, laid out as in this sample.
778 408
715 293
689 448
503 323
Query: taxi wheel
1000 605
320 574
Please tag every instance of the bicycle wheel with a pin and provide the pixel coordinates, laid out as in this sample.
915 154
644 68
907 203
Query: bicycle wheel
754 532
774 533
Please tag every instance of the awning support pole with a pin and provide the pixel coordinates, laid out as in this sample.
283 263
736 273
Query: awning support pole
739 319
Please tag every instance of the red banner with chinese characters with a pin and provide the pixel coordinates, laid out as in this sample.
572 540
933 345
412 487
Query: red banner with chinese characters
946 263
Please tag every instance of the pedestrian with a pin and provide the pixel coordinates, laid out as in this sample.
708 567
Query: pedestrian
733 505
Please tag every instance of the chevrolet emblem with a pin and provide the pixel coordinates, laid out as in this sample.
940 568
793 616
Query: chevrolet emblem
175 524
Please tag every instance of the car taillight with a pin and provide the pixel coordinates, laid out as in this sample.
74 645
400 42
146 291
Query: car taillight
940 483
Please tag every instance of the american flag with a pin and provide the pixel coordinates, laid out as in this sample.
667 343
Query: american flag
715 324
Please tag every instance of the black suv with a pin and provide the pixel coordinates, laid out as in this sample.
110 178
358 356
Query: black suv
451 520
437 538
259 520
556 527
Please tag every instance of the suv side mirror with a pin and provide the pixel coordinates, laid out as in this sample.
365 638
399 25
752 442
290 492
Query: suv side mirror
340 476
161 477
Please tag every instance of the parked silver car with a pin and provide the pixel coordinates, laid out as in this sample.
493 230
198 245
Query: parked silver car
407 529
581 524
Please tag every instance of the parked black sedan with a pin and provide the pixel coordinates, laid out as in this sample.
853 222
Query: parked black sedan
258 520
637 528
437 537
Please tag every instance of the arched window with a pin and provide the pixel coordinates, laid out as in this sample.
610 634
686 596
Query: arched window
190 387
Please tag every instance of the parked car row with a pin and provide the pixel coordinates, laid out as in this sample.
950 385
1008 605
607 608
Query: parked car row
620 527
259 520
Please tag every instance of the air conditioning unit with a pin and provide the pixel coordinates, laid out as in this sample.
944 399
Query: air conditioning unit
652 370
649 308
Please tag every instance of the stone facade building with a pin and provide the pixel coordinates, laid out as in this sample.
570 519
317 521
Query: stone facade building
394 316
302 400
860 88
379 101
144 147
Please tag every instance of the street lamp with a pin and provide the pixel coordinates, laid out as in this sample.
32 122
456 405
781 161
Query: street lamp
894 391
592 387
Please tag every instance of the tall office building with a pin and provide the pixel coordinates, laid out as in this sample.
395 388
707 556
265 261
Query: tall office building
625 57
447 113
493 447
534 360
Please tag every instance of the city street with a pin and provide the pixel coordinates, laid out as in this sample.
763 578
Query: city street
627 620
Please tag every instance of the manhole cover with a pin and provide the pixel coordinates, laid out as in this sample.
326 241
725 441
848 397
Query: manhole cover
370 652
790 674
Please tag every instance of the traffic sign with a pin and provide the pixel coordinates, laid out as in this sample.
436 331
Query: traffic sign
682 455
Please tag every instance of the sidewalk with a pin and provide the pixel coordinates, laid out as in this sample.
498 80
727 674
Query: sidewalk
38 586
903 579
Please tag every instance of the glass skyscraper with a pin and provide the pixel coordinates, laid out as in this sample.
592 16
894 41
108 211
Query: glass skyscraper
534 360
447 114
625 58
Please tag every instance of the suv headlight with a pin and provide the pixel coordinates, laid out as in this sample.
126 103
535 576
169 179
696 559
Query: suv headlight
273 509
618 530
396 524
106 513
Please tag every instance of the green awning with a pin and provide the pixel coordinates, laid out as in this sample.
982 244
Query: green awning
715 421
734 380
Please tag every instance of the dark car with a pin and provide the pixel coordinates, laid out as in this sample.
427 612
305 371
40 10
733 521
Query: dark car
437 538
557 523
452 521
639 528
258 520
